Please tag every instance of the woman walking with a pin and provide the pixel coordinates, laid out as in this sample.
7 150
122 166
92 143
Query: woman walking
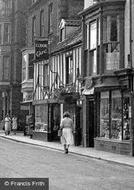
7 125
14 124
67 131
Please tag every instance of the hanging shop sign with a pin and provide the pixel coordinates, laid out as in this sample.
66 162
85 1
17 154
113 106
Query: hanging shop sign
41 50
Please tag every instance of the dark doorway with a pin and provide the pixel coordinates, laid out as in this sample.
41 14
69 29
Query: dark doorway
55 121
78 140
91 123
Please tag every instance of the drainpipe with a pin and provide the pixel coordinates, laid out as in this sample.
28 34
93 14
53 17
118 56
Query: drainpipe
131 114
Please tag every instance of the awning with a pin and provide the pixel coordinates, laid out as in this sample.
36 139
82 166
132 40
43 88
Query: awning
88 91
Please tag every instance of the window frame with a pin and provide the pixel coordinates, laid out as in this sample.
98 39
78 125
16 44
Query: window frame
42 23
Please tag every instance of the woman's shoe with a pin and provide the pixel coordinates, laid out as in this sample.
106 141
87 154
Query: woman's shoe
66 150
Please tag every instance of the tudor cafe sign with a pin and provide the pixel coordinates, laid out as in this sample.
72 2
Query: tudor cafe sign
41 50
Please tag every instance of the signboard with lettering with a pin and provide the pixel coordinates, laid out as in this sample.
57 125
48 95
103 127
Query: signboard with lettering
41 50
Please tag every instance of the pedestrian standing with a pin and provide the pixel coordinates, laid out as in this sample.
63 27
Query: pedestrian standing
7 125
67 131
14 124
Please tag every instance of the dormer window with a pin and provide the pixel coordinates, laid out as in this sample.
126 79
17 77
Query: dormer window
34 1
62 30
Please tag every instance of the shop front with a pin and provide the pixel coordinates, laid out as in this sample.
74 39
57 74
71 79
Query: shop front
113 119
41 131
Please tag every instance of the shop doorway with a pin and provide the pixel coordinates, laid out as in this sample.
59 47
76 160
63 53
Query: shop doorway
55 122
91 123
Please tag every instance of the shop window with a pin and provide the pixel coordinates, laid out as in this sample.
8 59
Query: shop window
126 128
114 125
30 66
104 115
116 115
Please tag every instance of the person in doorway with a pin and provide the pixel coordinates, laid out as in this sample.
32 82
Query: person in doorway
67 131
14 124
7 125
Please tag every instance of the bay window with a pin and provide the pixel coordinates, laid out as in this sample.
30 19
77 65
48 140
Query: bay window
111 42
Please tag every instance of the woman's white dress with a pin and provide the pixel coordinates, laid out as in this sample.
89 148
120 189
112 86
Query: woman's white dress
67 131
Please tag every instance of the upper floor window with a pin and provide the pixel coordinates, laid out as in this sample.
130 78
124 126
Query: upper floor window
69 69
6 38
0 33
42 23
45 75
5 7
33 29
50 17
111 42
6 65
93 42
62 28
30 66
24 64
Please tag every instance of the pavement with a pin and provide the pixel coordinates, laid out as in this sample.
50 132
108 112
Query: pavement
78 150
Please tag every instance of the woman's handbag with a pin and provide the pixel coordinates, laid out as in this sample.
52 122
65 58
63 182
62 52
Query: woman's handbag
59 133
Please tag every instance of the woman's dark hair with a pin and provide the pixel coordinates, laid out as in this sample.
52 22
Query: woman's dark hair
66 114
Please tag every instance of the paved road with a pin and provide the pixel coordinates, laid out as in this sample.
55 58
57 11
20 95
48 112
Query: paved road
65 172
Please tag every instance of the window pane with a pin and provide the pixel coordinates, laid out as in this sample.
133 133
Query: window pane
33 28
24 63
6 61
104 115
93 61
1 69
31 66
45 75
42 23
126 127
116 119
0 34
50 17
6 33
93 35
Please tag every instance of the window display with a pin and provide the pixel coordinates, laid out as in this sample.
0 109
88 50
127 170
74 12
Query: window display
41 119
126 128
116 120
104 115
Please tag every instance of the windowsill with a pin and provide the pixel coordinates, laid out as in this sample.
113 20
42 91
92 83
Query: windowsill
27 81
113 140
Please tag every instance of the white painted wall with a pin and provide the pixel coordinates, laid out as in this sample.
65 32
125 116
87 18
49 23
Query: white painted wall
88 3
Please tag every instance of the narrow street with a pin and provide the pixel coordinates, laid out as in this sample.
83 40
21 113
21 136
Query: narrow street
64 171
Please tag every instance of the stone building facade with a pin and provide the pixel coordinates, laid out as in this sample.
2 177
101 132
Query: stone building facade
107 57
12 38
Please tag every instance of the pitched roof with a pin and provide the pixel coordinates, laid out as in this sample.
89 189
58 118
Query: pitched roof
73 39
